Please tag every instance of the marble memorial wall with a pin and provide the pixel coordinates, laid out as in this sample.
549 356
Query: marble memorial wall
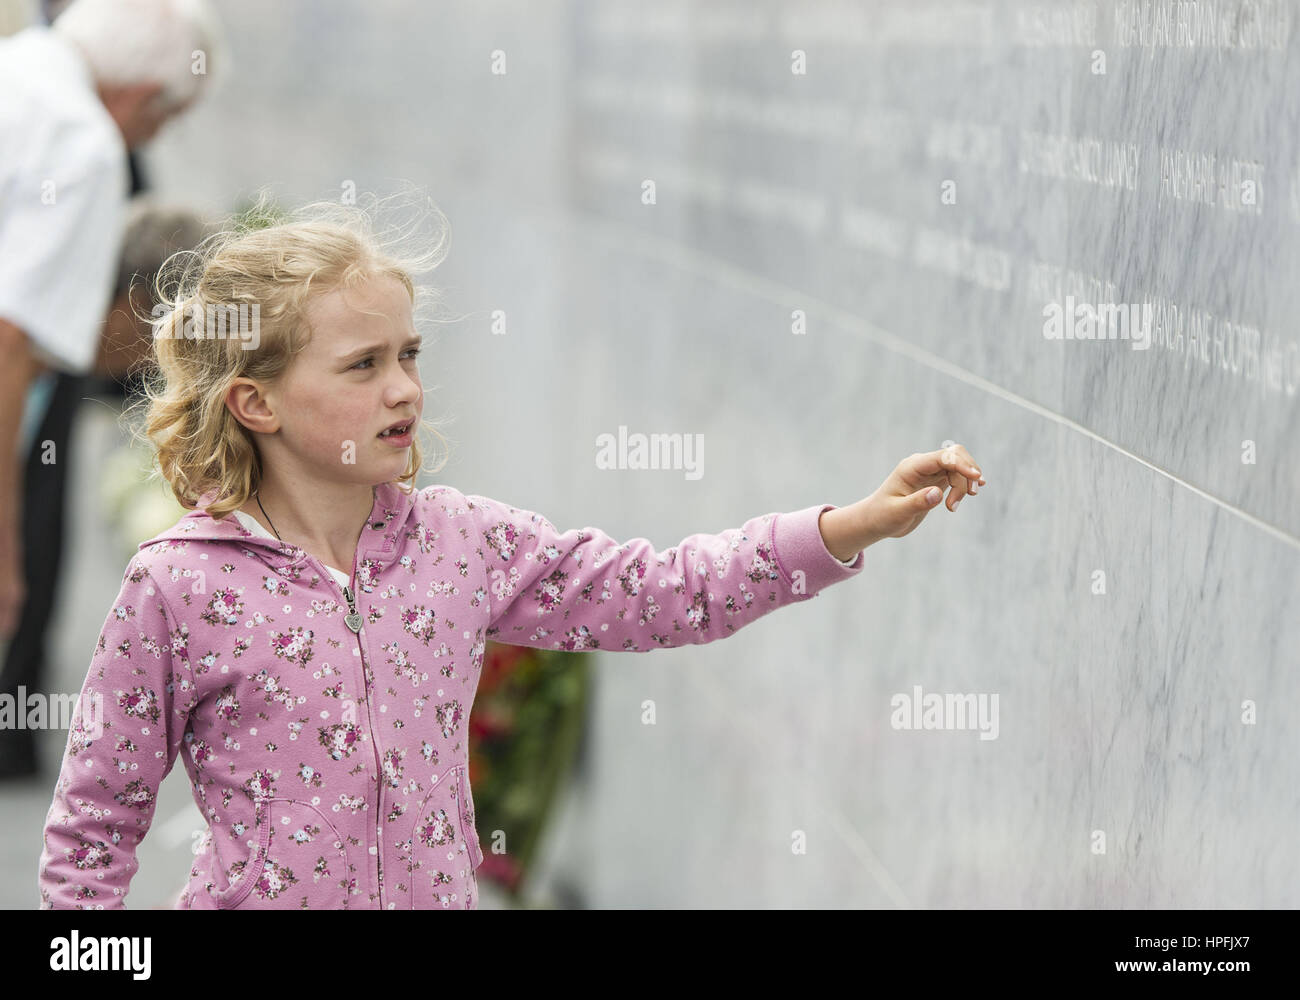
1067 235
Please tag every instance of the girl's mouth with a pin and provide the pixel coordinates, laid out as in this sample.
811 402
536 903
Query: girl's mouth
398 437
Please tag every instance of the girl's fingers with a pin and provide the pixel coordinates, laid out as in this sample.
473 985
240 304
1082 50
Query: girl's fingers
957 459
959 489
953 467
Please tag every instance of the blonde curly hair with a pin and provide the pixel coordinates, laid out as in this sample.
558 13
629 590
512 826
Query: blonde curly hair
278 262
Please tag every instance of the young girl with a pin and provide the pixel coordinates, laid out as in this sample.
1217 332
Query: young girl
308 638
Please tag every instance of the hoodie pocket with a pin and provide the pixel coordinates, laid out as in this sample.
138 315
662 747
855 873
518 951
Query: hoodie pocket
467 818
245 873
300 862
440 871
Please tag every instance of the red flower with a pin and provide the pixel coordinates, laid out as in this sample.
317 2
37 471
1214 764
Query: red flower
498 662
502 869
491 720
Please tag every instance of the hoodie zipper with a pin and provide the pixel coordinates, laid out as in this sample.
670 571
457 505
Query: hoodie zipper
350 597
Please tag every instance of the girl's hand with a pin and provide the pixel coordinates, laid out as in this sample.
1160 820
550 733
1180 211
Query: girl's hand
915 487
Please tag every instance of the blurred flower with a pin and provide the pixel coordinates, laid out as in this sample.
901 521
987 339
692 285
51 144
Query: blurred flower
523 732
502 869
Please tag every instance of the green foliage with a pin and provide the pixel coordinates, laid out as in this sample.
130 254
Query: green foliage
526 725
259 213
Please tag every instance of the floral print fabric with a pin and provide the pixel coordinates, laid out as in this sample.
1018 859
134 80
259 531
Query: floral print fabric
332 765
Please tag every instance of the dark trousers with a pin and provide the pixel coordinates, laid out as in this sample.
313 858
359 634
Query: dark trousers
42 533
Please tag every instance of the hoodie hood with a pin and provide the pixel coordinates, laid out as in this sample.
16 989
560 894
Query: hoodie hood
379 538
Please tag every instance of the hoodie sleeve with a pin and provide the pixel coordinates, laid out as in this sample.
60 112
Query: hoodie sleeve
581 589
127 727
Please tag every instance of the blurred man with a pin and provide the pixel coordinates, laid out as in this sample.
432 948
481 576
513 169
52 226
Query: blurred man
102 80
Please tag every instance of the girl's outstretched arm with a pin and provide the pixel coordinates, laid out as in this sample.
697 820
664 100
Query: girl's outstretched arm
582 589
126 731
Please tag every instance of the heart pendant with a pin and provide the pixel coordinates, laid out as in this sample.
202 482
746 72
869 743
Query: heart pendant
354 621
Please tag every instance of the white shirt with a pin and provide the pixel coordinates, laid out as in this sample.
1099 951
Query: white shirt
252 525
64 187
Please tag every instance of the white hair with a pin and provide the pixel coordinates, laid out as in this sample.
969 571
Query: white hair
172 42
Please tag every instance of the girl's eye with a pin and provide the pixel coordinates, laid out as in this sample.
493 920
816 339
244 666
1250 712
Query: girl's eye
412 351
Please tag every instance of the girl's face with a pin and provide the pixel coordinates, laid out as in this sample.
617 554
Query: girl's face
355 379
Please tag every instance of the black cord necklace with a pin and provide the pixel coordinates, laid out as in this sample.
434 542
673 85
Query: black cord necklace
352 618
258 496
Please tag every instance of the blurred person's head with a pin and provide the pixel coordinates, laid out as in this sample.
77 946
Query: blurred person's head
149 58
329 364
154 232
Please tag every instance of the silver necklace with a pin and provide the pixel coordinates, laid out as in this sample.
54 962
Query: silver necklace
352 619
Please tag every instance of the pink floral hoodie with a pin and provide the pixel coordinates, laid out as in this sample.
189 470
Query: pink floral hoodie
324 730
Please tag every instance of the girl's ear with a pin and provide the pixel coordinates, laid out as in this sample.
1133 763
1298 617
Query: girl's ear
248 404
